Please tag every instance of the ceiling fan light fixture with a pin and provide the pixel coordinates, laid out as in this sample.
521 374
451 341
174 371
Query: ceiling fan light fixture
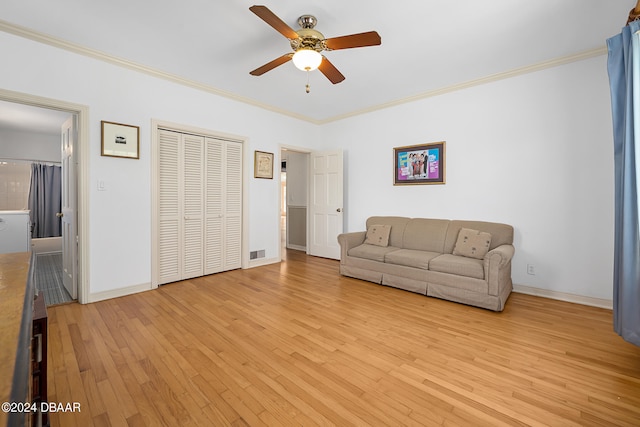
307 59
308 43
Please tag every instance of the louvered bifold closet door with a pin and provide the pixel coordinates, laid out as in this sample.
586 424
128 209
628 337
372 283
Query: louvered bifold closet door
233 206
170 247
193 174
200 195
214 215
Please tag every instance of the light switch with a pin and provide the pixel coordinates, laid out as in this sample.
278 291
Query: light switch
101 186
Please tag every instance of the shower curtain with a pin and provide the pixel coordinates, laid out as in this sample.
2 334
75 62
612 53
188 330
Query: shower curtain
45 200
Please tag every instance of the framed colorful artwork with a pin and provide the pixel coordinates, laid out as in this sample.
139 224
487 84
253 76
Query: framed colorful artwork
419 164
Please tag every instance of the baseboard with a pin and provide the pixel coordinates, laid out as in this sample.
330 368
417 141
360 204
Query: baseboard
561 296
116 293
297 248
263 261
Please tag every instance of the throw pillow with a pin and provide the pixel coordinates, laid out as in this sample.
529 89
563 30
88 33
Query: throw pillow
378 235
472 243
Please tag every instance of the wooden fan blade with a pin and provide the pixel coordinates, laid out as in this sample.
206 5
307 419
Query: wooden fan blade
330 71
370 38
270 18
271 65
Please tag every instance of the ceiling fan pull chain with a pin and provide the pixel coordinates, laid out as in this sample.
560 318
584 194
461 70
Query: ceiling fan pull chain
308 88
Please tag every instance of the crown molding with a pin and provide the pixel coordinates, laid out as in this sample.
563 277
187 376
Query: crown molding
476 82
39 37
30 34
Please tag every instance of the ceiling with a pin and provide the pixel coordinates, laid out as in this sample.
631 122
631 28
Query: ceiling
427 45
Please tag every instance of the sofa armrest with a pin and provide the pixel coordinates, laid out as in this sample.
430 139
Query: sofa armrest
497 267
350 240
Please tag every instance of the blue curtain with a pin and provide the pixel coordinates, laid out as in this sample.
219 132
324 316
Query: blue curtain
45 200
624 79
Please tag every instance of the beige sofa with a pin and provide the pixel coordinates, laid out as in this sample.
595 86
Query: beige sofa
463 261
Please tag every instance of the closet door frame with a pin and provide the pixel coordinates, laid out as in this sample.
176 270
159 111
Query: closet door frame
156 125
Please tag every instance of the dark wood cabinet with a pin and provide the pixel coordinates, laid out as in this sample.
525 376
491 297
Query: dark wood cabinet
39 360
21 356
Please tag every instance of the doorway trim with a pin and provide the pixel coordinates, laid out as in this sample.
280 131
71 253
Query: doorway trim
82 177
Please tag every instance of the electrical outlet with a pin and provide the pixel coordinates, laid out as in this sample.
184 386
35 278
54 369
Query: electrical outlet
531 269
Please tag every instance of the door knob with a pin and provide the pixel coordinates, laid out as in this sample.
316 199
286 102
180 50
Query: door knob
59 214
339 210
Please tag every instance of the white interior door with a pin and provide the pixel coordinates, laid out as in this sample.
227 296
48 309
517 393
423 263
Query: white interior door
223 205
232 242
169 207
214 206
68 211
326 203
193 209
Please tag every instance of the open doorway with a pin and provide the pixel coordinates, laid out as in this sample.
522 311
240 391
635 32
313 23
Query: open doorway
313 188
25 121
294 175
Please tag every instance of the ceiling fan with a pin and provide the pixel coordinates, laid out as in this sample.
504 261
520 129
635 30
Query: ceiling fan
307 43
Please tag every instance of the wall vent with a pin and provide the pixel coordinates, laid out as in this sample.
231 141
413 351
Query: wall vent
256 254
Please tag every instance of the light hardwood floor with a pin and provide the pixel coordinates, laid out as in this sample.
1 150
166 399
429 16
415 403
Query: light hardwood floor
297 344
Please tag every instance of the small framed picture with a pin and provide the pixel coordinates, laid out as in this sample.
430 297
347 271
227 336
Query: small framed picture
120 140
419 164
263 165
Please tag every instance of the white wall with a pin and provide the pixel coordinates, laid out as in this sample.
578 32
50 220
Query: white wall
120 217
15 177
534 151
297 178
15 182
297 198
16 144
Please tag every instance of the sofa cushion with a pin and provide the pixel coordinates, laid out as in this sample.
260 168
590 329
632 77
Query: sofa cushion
459 265
501 234
472 243
410 258
372 252
397 223
378 235
425 234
